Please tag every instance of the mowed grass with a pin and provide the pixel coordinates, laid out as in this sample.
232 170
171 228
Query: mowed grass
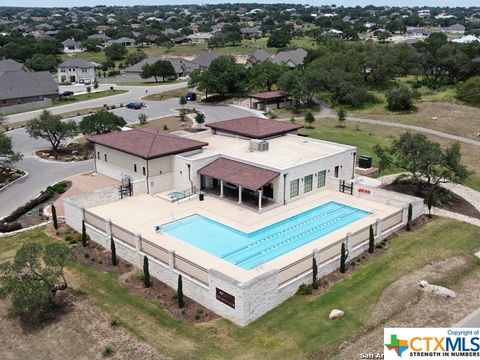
298 328
366 136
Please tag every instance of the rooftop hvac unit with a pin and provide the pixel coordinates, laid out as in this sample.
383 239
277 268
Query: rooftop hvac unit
258 145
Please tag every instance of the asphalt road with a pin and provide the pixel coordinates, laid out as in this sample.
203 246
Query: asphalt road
43 173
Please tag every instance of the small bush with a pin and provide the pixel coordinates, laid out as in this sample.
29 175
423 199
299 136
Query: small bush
72 242
86 255
304 289
68 238
199 311
5 228
114 323
165 127
108 351
401 98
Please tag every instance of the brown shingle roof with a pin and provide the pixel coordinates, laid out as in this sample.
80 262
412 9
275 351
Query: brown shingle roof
238 173
146 143
255 128
267 95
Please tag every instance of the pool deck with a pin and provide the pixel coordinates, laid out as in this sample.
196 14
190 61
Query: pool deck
140 214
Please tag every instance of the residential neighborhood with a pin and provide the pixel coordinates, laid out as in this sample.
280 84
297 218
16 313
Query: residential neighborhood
239 181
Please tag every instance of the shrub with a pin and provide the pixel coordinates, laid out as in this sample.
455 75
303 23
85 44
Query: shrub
112 73
409 217
68 238
114 323
84 235
401 98
469 91
108 351
371 240
343 259
5 228
146 273
180 299
44 196
309 118
304 289
54 217
114 252
314 273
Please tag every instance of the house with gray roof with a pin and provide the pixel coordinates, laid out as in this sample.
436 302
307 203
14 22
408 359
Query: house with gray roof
253 31
71 46
259 56
76 69
128 42
100 37
292 58
204 60
7 65
22 90
182 67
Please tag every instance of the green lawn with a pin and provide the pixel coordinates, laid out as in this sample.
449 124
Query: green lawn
85 97
299 327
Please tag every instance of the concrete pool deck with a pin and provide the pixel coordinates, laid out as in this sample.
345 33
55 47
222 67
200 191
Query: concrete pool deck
140 215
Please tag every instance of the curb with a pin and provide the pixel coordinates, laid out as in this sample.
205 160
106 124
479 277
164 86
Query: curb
14 181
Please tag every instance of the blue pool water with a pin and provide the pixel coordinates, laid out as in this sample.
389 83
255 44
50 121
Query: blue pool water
250 250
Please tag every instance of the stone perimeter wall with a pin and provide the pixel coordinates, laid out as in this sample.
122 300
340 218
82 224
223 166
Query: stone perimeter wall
252 299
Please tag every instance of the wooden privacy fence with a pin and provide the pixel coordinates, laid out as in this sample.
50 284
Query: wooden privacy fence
123 235
154 251
392 220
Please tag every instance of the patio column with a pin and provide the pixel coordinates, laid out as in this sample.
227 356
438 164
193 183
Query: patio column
221 188
239 194
260 200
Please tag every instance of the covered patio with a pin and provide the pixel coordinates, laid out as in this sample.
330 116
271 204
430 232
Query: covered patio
270 100
246 184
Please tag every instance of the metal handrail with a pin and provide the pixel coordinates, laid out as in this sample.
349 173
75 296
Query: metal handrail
183 194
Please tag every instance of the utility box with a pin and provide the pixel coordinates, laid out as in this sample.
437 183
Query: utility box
365 162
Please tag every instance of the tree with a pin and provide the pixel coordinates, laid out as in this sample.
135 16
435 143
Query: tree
430 200
343 259
54 217
425 162
115 52
146 273
401 98
309 119
200 118
92 45
34 277
183 101
7 155
114 252
182 116
216 41
41 62
371 240
84 234
279 38
142 119
180 299
342 117
265 75
469 91
409 217
135 57
163 68
314 273
101 122
232 33
51 128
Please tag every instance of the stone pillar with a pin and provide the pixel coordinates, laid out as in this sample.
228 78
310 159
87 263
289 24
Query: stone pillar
260 200
221 188
171 260
379 228
239 194
108 228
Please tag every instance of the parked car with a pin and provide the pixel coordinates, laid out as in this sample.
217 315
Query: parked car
191 96
134 105
87 81
81 81
65 93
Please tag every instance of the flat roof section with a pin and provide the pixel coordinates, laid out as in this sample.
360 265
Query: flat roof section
254 127
147 143
235 172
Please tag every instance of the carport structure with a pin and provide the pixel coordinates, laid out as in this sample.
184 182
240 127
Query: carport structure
270 100
234 179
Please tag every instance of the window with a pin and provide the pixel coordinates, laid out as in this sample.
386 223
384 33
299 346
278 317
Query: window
307 183
144 171
321 178
98 154
294 188
105 157
135 167
337 168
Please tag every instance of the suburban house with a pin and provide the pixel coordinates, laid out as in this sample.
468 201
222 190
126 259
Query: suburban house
468 39
182 67
259 56
102 38
204 60
181 40
71 46
128 42
240 211
200 37
22 89
76 69
253 31
455 29
292 58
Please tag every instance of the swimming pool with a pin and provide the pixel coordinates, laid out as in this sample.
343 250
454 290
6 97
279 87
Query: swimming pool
251 250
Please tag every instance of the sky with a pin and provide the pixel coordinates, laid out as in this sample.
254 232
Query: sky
71 3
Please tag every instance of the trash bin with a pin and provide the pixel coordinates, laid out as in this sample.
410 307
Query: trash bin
201 196
365 162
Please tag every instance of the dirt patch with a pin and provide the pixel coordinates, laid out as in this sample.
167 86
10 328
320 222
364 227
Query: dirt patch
77 331
75 151
455 202
403 305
